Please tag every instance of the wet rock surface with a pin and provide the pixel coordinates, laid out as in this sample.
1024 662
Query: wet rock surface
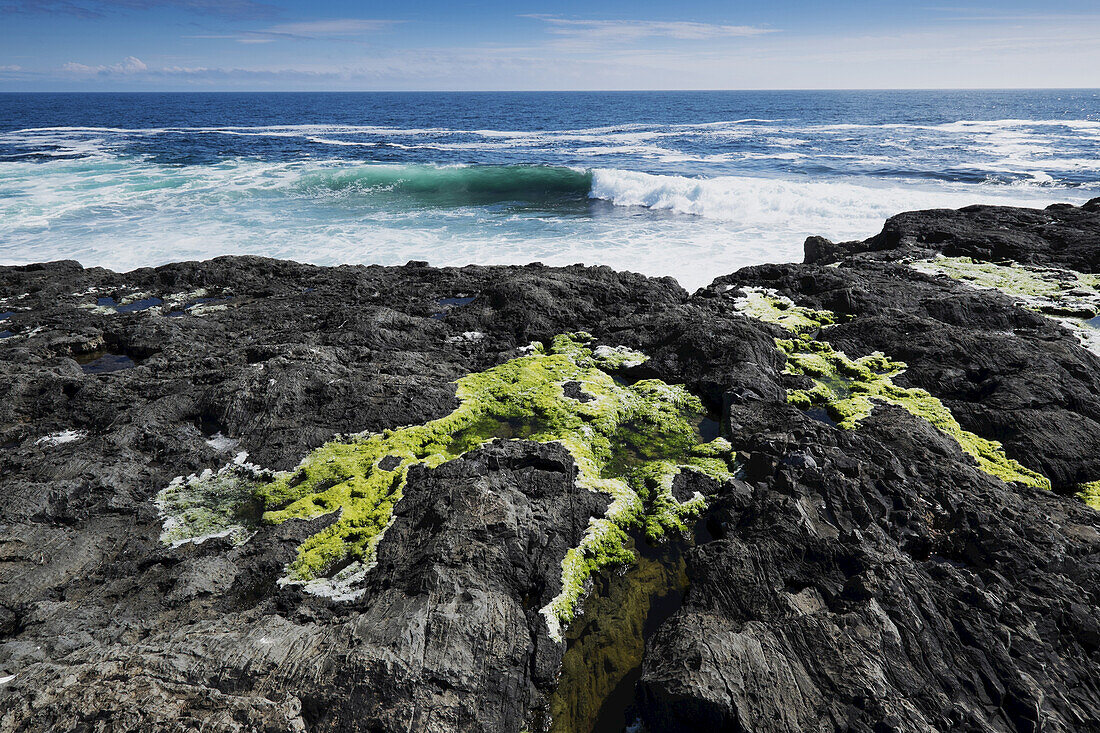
847 580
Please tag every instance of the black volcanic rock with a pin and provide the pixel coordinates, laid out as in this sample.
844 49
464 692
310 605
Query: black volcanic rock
1004 371
864 580
1060 234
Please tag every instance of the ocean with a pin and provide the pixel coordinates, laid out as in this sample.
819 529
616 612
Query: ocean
687 184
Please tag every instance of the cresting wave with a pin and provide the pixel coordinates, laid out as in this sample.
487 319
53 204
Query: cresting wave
758 202
750 201
123 212
453 184
49 192
747 199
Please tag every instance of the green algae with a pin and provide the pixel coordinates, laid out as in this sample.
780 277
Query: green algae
628 440
1048 289
848 389
770 307
1066 296
210 504
1090 494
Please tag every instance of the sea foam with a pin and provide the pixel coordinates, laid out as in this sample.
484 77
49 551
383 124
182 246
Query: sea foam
829 207
124 213
682 198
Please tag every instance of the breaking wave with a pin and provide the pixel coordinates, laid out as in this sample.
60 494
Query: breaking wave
124 212
682 184
454 184
752 201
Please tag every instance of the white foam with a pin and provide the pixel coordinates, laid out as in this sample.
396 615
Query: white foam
222 443
63 437
341 143
124 213
830 208
964 125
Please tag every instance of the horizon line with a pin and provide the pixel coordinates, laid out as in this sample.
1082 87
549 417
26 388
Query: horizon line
549 91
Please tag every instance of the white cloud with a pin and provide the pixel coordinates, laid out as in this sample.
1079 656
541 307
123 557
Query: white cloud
335 27
978 55
129 65
11 67
631 30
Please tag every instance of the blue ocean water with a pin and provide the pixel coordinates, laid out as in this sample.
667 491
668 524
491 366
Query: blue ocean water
689 184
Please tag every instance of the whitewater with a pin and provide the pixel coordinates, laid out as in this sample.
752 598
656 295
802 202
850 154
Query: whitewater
679 195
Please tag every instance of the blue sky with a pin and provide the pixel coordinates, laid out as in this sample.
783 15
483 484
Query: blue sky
117 45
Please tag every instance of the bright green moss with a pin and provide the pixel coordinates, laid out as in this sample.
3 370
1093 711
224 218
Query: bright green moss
628 440
848 389
1090 494
1046 286
1071 298
771 307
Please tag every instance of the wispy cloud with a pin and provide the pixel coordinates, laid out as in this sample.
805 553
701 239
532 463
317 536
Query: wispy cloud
623 31
334 29
102 8
129 65
331 28
587 54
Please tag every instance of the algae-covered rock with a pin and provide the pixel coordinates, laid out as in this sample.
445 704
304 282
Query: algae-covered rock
629 441
806 498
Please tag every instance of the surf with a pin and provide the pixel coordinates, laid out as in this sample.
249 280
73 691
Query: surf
828 205
453 185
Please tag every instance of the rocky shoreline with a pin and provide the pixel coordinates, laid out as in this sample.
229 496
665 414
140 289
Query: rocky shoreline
845 495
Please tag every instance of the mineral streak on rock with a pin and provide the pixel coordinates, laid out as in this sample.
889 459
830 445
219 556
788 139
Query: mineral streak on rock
629 441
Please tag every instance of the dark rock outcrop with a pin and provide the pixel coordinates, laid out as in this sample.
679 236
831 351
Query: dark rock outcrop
1059 234
864 580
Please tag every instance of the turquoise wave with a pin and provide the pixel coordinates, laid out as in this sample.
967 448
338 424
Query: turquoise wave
443 185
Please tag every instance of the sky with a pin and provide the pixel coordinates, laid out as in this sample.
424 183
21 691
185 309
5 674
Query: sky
269 45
